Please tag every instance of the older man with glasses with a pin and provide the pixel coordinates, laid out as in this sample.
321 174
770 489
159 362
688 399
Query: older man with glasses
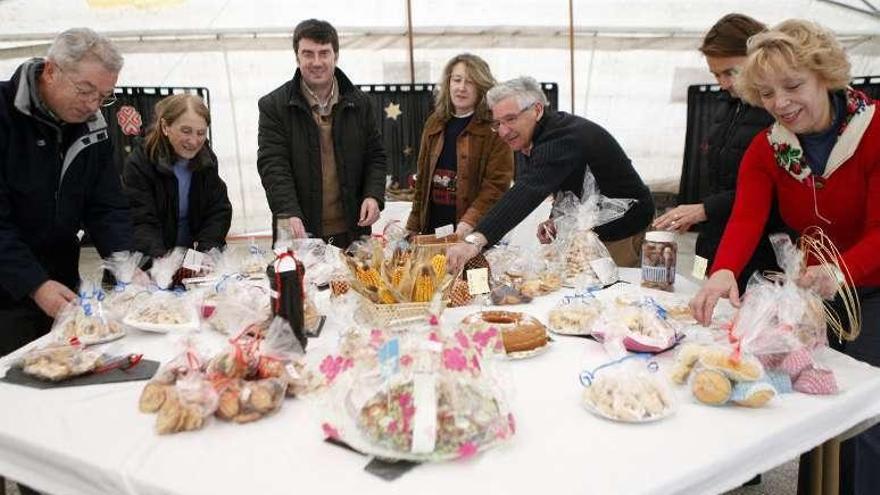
554 152
56 177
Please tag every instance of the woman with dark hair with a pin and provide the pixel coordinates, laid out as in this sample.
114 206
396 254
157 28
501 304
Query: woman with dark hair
463 167
177 197
733 128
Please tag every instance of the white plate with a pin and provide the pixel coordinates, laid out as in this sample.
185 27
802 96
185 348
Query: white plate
530 353
192 325
588 405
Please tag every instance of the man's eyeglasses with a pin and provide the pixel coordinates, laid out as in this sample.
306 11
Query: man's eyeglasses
508 120
88 94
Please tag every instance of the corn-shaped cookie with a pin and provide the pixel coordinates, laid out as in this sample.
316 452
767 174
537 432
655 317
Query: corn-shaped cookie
368 275
396 276
386 297
438 262
423 288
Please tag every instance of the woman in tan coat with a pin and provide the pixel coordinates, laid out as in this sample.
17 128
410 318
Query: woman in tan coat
463 166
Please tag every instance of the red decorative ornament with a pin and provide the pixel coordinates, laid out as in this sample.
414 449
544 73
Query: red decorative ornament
129 120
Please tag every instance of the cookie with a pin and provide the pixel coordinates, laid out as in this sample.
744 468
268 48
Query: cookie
261 399
228 405
711 387
169 416
247 417
152 397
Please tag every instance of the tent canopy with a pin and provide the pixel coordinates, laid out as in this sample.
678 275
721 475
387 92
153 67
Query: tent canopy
632 59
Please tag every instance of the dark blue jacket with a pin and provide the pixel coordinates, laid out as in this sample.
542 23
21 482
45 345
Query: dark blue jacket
55 179
565 146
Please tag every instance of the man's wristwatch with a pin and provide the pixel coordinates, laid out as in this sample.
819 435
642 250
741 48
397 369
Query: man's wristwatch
474 239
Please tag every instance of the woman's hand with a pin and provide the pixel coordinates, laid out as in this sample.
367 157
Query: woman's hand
681 218
821 280
721 284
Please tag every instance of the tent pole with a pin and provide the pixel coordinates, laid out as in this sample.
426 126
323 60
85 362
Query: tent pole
570 48
409 34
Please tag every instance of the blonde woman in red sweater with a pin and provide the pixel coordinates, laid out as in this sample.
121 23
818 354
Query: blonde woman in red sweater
821 161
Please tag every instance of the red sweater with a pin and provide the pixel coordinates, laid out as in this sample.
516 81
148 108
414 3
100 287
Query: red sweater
849 197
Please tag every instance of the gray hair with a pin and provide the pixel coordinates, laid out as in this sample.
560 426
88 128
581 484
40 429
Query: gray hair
525 89
74 45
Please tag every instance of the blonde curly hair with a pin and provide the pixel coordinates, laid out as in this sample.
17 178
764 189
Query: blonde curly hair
794 44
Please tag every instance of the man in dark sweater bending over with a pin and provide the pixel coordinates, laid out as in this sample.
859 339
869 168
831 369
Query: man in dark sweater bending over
554 150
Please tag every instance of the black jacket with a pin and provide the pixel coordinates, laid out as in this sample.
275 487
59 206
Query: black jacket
289 154
54 180
152 190
734 127
564 147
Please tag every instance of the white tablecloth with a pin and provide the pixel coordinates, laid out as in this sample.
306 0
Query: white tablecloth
92 440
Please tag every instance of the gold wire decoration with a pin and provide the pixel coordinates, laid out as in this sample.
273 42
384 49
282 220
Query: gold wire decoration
815 244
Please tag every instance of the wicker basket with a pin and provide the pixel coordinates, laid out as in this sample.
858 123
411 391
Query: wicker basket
394 315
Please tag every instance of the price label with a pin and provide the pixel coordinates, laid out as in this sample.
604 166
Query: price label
478 281
700 266
444 231
193 260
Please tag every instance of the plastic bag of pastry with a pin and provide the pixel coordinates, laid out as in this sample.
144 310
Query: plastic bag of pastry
253 263
630 390
313 255
642 328
164 311
587 262
429 398
128 283
574 315
783 325
180 392
279 355
165 268
245 401
85 317
229 316
313 320
59 361
777 316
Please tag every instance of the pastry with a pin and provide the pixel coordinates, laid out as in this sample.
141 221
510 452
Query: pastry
152 397
519 332
711 387
575 319
632 398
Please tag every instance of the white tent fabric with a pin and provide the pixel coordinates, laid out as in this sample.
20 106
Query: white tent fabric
633 58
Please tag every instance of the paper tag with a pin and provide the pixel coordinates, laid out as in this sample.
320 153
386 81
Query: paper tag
193 260
605 270
425 418
292 372
700 266
478 281
389 357
444 231
286 264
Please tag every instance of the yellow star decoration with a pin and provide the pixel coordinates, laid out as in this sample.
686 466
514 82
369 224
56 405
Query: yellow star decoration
392 111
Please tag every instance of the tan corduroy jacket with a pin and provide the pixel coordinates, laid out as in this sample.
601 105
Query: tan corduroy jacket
485 171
